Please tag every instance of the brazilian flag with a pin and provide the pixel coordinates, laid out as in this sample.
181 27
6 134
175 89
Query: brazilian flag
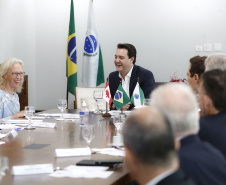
121 98
71 68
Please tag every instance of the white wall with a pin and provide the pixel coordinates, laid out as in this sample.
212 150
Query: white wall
163 31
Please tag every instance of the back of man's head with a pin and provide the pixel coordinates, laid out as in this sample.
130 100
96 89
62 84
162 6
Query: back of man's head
197 64
179 104
149 137
215 61
132 52
214 85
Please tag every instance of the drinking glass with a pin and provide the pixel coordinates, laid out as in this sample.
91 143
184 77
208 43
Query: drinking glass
62 105
29 112
119 120
147 102
98 96
4 165
88 133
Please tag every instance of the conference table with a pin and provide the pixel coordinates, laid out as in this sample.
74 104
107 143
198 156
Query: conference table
67 134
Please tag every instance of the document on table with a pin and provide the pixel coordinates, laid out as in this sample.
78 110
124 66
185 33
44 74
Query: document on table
2 135
44 124
114 112
2 142
8 126
110 151
83 172
32 169
65 115
72 152
19 121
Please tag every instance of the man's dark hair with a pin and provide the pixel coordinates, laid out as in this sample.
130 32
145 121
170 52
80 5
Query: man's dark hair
214 86
132 52
197 65
150 138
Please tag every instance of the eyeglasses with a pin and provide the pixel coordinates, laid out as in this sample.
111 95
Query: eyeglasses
15 74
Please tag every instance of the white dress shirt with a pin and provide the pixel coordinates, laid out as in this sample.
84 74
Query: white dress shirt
160 177
126 81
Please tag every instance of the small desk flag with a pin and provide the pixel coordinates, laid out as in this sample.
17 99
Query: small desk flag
138 96
120 98
107 94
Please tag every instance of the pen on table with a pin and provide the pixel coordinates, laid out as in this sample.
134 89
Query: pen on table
118 147
18 129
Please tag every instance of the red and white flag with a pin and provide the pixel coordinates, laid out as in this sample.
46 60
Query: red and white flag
107 94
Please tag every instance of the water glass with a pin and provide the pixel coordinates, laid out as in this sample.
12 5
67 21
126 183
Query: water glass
98 96
88 133
4 165
147 102
119 120
29 112
62 105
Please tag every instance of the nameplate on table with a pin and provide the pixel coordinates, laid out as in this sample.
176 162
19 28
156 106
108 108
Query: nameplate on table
11 133
44 124
69 152
32 169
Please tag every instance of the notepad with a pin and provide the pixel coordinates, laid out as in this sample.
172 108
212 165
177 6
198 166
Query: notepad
32 169
72 152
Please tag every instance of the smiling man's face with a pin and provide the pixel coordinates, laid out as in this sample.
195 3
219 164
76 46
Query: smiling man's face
123 63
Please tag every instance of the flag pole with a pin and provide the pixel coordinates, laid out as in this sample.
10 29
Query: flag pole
67 94
106 114
121 108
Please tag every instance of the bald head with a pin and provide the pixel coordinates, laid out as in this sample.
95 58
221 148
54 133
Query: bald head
179 104
149 136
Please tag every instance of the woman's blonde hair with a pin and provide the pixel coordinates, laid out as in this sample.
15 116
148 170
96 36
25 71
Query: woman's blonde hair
4 69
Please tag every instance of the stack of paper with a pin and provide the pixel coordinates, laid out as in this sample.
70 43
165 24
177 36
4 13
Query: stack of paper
72 152
110 151
83 172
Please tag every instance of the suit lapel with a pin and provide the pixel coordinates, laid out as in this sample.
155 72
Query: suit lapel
133 80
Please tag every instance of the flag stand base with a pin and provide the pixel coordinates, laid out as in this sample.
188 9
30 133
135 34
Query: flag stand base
106 115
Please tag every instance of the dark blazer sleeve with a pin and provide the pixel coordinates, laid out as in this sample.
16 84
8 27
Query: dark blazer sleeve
146 80
114 82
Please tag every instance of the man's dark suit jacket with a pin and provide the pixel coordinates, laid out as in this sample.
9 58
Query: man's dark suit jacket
203 163
177 178
213 130
146 81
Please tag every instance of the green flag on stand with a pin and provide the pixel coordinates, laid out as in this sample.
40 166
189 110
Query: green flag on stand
138 96
121 98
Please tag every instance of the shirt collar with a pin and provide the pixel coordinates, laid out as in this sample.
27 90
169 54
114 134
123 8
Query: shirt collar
128 74
160 177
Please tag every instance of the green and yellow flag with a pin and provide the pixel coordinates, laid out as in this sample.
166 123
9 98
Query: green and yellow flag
120 98
71 68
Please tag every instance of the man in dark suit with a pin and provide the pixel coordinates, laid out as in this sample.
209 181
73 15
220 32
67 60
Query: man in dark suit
199 160
128 73
212 102
151 157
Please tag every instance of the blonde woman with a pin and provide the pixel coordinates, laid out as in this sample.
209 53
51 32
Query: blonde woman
11 81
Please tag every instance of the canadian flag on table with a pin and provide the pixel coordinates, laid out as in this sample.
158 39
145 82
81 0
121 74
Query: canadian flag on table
107 94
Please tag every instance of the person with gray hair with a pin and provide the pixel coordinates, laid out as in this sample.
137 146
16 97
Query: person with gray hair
11 81
151 157
179 104
215 61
